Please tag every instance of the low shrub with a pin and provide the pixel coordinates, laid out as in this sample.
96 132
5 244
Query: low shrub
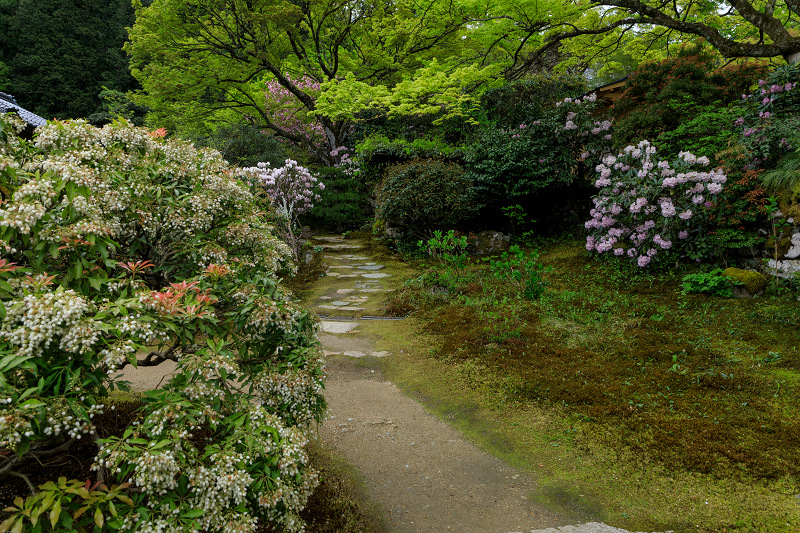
425 195
714 283
522 269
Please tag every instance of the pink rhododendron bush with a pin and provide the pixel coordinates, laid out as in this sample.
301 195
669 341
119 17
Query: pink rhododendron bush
120 247
649 209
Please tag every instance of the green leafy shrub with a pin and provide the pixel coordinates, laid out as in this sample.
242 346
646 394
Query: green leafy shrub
425 195
377 153
714 283
706 132
541 165
344 204
450 251
524 101
245 146
120 247
522 269
770 120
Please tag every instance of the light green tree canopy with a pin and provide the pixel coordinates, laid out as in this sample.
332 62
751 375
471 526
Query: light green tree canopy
195 59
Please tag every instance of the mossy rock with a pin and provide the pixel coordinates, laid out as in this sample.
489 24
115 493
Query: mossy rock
784 245
751 280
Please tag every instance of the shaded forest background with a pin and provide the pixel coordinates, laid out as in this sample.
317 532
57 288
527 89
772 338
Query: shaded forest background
57 56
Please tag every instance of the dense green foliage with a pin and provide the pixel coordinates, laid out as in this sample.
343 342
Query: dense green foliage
681 98
344 204
60 54
425 195
245 146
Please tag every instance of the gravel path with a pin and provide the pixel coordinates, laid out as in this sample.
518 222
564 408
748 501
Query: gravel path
422 471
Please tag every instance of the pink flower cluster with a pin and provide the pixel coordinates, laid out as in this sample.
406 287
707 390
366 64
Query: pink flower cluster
645 205
287 113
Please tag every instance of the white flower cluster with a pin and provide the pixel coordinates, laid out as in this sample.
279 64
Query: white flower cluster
157 473
269 314
22 215
296 391
38 320
17 423
220 486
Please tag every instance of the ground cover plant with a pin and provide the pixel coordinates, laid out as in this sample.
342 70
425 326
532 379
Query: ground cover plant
120 247
680 384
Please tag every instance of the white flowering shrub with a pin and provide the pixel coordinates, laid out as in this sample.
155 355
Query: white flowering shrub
291 191
120 247
649 209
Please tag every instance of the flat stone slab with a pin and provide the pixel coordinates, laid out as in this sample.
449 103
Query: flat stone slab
345 291
370 290
330 326
356 353
333 274
332 247
353 257
341 266
347 308
340 303
370 267
348 275
376 275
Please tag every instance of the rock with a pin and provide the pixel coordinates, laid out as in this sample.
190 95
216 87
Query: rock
785 269
491 242
752 281
794 250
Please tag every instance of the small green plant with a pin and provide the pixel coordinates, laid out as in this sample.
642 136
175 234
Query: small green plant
714 283
523 269
450 251
518 219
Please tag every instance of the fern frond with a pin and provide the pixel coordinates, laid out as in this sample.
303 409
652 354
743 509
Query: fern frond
786 176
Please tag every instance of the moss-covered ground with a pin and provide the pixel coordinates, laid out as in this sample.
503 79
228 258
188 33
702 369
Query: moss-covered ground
630 401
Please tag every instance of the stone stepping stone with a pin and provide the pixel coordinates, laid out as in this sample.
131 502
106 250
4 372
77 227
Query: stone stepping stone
329 326
376 275
341 308
370 267
326 298
370 290
340 303
354 353
357 299
345 291
334 247
348 275
341 266
328 239
332 274
354 257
